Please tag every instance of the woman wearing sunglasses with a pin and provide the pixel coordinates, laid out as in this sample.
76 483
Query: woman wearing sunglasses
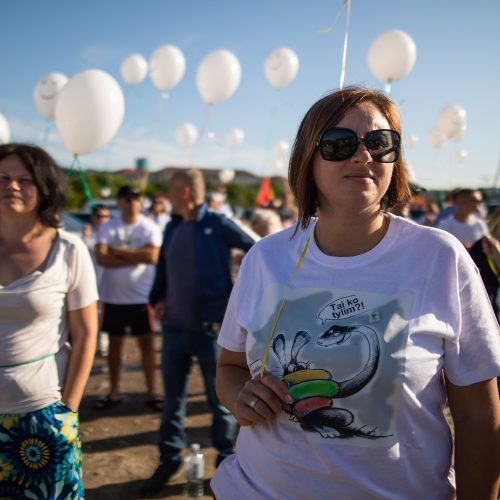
346 335
48 297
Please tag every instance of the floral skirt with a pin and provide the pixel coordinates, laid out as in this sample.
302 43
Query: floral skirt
40 454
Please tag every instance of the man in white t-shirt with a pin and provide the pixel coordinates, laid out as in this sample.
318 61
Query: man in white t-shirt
128 248
98 216
466 224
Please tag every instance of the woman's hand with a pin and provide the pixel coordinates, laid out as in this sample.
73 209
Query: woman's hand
251 400
261 400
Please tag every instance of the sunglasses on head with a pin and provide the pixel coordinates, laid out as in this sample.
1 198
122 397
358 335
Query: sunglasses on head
338 144
132 197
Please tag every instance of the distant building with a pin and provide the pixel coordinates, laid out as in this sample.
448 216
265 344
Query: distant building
211 175
142 164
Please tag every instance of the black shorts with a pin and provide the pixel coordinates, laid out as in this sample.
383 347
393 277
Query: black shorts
127 319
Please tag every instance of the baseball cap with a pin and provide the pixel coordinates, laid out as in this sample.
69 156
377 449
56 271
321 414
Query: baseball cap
126 191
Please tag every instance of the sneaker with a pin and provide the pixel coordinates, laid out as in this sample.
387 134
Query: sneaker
160 477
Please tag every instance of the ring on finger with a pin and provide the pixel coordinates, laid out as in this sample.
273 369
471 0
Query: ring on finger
254 401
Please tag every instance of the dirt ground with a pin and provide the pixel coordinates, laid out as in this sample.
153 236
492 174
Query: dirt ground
120 444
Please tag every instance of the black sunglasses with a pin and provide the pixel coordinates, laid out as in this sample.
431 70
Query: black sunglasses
132 197
338 144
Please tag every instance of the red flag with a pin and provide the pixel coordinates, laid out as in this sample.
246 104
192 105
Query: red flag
266 193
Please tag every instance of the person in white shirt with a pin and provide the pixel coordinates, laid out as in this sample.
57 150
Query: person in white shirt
346 335
466 224
48 329
159 212
99 214
127 248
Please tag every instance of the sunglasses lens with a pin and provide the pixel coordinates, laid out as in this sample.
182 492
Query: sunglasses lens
383 145
338 144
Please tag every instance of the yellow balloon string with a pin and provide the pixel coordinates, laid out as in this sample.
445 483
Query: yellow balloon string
344 51
282 305
327 30
493 267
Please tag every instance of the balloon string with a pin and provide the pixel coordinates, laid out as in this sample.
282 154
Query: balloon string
327 30
156 122
71 167
344 51
387 87
213 137
46 132
88 194
207 114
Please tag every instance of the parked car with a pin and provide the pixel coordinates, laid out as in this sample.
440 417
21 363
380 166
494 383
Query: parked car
73 223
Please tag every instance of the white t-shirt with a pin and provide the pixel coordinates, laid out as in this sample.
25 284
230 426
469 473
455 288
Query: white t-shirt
370 336
129 284
91 243
468 233
162 219
33 325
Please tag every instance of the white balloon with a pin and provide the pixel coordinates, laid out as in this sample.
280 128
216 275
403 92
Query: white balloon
458 133
46 91
460 155
226 175
134 69
452 121
186 135
436 137
106 192
218 76
392 55
167 66
4 130
281 67
235 137
412 139
281 148
89 111
278 166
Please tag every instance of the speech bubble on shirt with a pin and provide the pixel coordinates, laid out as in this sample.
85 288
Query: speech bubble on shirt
345 307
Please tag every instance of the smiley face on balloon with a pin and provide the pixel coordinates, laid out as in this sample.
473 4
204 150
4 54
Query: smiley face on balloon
281 67
50 85
46 91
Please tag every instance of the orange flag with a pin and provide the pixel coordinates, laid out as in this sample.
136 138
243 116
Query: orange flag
266 193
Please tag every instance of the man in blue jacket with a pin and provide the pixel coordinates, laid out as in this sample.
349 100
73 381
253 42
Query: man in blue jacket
190 292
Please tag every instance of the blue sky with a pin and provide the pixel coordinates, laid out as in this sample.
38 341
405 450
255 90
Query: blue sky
457 63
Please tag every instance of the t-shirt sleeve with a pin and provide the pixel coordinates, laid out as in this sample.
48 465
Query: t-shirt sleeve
232 334
472 354
102 237
156 235
82 285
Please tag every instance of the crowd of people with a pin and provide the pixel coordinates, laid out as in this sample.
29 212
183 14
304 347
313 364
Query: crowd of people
353 321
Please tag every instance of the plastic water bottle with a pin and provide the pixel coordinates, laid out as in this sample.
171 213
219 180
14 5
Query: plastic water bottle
195 471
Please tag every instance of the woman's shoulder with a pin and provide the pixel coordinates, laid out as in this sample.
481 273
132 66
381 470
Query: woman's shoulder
71 241
432 238
280 245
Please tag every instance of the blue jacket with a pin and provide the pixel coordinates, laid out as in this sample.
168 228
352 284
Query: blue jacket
215 236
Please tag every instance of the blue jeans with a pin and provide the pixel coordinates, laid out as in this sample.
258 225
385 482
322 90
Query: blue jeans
177 351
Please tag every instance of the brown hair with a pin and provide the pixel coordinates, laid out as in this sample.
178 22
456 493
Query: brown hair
48 178
194 179
328 112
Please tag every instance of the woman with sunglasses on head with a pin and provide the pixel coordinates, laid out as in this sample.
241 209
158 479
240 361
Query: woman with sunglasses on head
48 298
345 336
